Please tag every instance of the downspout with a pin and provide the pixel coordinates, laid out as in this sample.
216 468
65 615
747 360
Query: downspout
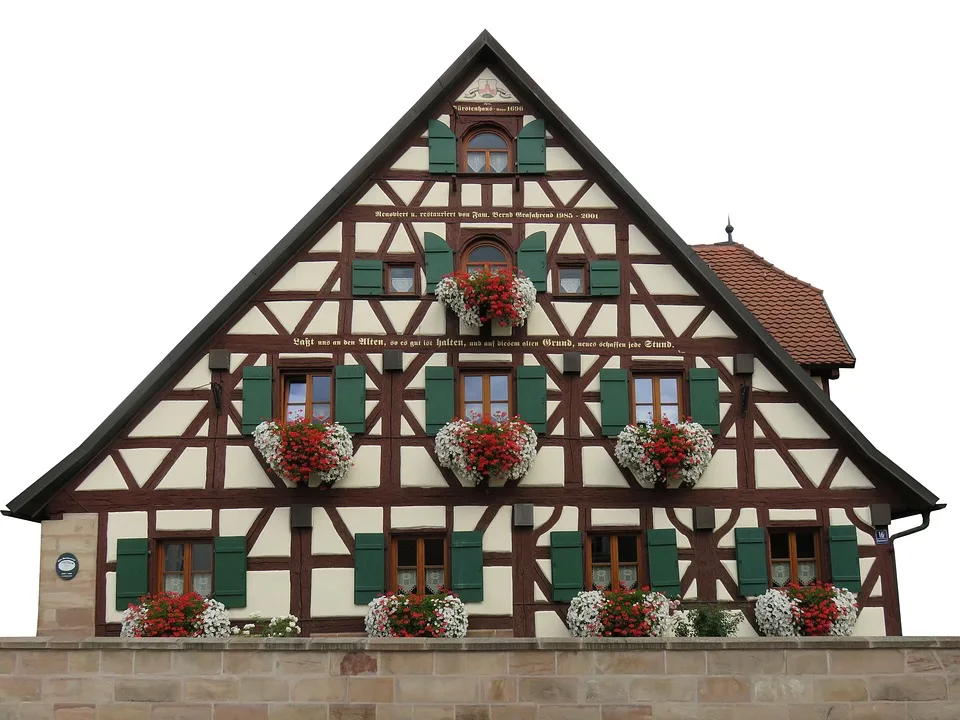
922 526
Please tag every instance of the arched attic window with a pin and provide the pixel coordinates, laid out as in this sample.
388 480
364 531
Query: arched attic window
487 151
486 254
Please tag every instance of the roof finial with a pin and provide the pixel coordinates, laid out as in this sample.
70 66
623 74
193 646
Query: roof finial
729 230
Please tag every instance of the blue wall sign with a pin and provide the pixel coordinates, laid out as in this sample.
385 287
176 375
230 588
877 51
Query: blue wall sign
882 536
67 566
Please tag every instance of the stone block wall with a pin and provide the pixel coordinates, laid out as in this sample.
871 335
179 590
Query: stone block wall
481 679
67 607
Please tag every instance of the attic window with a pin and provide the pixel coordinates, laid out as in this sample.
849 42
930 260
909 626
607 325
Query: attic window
487 256
486 151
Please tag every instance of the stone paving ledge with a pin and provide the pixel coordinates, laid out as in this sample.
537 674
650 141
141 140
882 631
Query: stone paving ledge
482 644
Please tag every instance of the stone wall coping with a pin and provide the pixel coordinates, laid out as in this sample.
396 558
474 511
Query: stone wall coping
361 644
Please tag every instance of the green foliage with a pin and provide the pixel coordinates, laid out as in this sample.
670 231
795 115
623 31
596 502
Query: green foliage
707 621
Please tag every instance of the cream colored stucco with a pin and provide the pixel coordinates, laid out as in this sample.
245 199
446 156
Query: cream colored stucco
792 515
434 322
814 463
274 540
198 376
169 418
595 198
111 614
253 323
691 592
790 420
547 469
502 195
422 228
324 539
721 472
242 470
364 320
365 472
602 237
375 196
560 159
289 313
307 276
406 190
570 243
499 533
849 477
571 314
326 320
642 323
362 519
401 242
106 476
731 567
197 519
661 521
539 324
638 242
565 189
549 228
534 196
600 470
188 472
497 592
569 520
545 566
143 462
714 327
466 517
548 624
124 525
838 516
722 594
877 588
606 517
605 323
437 196
419 380
470 195
418 516
663 280
414 158
746 519
268 592
538 595
417 468
772 472
234 522
418 409
370 235
679 317
870 623
763 379
331 241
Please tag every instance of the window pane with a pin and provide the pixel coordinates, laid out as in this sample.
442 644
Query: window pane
202 583
668 390
295 412
601 576
433 551
643 391
498 387
781 573
297 391
499 411
571 280
644 413
498 162
401 279
476 161
173 557
433 578
671 412
628 575
486 254
473 388
487 141
173 583
627 548
202 560
407 552
600 549
780 545
805 544
473 411
406 579
321 388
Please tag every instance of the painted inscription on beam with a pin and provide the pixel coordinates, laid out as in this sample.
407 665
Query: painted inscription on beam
319 342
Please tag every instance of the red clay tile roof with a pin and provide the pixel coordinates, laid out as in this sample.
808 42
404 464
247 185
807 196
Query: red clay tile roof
793 311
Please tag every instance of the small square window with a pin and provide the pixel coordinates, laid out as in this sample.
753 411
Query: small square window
570 281
401 279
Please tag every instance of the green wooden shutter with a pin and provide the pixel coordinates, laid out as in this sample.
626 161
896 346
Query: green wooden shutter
752 560
705 397
532 396
132 571
614 401
368 277
439 397
439 259
532 259
467 565
566 565
443 148
257 397
350 397
369 557
604 277
844 557
532 148
230 571
663 561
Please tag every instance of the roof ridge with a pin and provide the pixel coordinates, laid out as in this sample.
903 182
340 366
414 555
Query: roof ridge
763 260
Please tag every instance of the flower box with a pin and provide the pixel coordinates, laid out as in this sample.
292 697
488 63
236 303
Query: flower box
174 615
305 452
499 297
807 610
439 615
487 451
620 613
664 454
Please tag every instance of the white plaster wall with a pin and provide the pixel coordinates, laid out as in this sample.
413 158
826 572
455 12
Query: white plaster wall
814 463
870 623
375 196
169 418
434 322
721 472
418 516
639 244
595 198
112 615
143 461
850 477
714 327
419 380
790 420
691 593
369 235
746 519
722 594
189 472
502 195
362 519
198 376
605 517
569 520
364 321
106 476
400 312
238 521
662 522
324 540
602 237
679 317
498 536
466 517
437 196
274 540
731 568
406 190
417 468
560 159
534 196
415 158
663 280
600 470
184 519
763 379
566 189
326 319
308 276
546 568
418 408
336 597
548 624
570 243
365 472
792 515
538 324
253 323
838 516
497 592
547 469
268 592
605 323
641 323
242 470
124 525
571 314
332 240
772 472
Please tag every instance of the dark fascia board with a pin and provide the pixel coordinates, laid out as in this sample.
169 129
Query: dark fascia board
30 503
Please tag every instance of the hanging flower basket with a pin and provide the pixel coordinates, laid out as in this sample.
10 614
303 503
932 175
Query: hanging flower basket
488 296
661 453
303 450
171 614
438 615
812 610
620 613
487 451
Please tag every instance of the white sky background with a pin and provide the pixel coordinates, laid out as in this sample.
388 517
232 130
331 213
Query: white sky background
149 157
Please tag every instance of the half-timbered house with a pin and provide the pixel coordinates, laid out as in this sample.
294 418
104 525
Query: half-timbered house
339 319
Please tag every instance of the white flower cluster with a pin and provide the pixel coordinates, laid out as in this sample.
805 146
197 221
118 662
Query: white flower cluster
266 439
631 455
583 616
775 613
449 609
214 622
449 293
281 626
452 455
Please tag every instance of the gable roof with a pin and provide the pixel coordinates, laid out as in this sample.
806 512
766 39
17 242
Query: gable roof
484 50
794 312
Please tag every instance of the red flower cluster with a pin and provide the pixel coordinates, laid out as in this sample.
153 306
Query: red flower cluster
417 616
171 615
491 446
816 610
625 613
667 447
491 293
305 447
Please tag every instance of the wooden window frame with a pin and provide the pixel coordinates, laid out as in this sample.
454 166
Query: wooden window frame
471 133
791 532
308 373
509 262
188 543
388 289
656 375
419 536
485 372
615 534
582 267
